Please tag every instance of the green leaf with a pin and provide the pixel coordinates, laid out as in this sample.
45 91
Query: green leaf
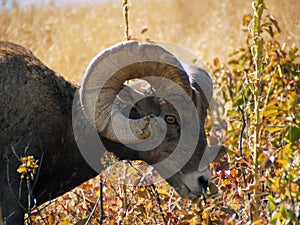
273 129
267 24
293 52
293 134
283 211
287 151
271 203
235 52
292 176
262 159
292 100
233 61
239 100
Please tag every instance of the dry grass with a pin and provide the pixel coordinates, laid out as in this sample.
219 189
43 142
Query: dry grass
66 39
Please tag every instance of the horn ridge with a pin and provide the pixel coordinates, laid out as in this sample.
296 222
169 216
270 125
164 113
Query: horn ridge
105 76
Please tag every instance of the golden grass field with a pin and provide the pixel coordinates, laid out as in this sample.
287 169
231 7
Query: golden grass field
66 39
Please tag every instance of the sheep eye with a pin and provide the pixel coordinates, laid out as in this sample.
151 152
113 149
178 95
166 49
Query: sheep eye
170 119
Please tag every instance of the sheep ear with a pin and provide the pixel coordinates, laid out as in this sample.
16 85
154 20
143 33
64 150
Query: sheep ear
217 152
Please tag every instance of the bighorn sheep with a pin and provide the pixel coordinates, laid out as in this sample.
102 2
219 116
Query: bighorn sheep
37 113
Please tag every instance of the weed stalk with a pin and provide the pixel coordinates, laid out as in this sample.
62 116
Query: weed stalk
257 53
125 19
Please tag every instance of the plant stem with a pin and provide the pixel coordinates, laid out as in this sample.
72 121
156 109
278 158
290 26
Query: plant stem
125 19
257 52
255 158
101 199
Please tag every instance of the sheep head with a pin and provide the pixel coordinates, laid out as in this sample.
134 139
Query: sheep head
160 114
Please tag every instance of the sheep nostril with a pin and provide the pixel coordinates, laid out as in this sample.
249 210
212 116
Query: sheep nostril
203 182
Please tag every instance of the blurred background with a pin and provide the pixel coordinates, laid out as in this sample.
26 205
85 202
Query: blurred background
66 34
27 3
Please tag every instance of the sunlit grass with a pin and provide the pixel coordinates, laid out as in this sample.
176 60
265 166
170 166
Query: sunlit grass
66 39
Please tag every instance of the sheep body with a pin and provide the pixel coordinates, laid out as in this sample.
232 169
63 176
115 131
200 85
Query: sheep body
35 114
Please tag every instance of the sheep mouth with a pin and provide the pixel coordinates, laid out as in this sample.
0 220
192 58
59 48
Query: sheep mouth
206 192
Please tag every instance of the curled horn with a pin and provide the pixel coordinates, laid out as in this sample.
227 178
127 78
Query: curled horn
202 86
199 79
104 79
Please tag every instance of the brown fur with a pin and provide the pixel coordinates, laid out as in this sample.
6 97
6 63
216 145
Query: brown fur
35 112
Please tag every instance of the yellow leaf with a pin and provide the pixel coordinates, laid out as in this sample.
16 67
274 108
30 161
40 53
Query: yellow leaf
149 207
270 111
22 169
294 187
119 203
65 222
112 222
267 77
257 222
50 219
163 192
273 129
284 163
131 170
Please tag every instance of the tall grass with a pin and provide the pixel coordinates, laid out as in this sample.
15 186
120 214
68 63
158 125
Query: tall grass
66 39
